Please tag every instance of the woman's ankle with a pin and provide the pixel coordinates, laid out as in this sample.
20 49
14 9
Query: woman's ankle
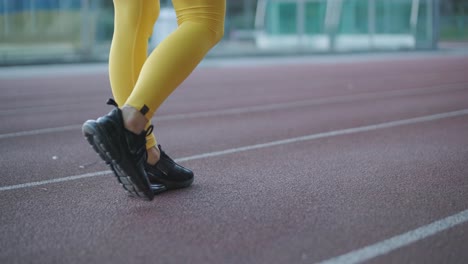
134 121
153 155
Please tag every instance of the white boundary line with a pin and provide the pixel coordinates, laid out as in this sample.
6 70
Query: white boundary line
266 145
263 108
40 131
388 245
69 178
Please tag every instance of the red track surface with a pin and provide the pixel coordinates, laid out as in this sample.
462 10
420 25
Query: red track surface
300 202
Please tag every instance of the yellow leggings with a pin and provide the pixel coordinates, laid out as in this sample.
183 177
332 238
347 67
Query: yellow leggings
145 82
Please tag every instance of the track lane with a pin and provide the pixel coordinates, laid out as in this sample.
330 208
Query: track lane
68 100
316 199
255 108
446 247
201 135
301 202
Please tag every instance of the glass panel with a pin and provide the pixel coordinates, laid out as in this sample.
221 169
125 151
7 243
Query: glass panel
281 18
315 17
354 17
84 28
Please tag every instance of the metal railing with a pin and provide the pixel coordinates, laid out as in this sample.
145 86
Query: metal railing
65 30
420 32
77 30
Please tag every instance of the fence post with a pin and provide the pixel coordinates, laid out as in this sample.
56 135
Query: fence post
86 45
332 21
6 19
435 24
300 22
371 21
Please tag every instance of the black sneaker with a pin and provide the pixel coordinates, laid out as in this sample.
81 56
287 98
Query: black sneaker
167 172
123 150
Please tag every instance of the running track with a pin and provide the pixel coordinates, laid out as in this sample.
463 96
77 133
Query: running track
296 161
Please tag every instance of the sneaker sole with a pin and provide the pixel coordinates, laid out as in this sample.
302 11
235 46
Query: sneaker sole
92 134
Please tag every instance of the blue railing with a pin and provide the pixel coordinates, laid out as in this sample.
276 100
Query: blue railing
18 6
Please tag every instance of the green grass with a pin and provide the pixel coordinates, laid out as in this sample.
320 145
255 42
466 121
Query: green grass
452 33
43 27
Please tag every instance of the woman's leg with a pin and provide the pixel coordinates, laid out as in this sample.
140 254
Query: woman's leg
133 26
119 137
201 26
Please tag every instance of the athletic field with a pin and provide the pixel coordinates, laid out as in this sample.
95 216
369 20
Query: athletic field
342 159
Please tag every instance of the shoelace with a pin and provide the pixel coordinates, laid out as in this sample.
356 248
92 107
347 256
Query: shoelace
141 152
149 130
111 101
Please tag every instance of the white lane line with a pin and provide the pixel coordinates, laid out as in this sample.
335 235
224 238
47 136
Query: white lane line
69 178
388 245
456 86
321 101
264 108
331 134
39 131
46 71
266 145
